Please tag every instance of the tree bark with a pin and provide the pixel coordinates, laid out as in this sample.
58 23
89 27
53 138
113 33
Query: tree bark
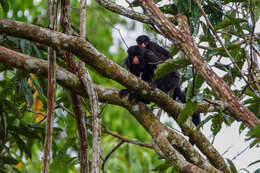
52 10
141 112
189 47
86 52
76 102
92 94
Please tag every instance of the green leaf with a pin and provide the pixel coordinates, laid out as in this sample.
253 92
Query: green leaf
24 130
232 166
37 51
251 93
253 105
4 125
11 107
8 160
254 143
38 87
5 5
205 121
242 127
26 46
227 22
169 9
169 66
214 11
254 132
27 91
162 167
188 110
21 144
199 80
217 121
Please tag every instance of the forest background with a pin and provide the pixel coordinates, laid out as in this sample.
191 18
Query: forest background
23 96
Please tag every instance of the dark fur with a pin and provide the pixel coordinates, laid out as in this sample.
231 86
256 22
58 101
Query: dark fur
158 50
171 81
144 70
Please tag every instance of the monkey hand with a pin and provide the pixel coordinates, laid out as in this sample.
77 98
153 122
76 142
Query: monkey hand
138 98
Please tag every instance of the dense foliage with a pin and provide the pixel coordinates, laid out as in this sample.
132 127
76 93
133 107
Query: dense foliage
23 101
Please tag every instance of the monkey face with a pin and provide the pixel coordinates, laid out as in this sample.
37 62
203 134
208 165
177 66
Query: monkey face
143 45
143 40
136 60
136 55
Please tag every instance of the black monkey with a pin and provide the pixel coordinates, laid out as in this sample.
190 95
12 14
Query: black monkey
145 42
140 62
171 81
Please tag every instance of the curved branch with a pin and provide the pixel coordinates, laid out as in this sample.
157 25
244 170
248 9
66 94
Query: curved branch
111 6
189 47
109 154
86 52
141 112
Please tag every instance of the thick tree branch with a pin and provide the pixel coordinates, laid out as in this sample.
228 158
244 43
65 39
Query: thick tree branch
112 6
141 112
189 47
99 62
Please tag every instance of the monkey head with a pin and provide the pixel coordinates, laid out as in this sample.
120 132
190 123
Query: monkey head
136 54
143 40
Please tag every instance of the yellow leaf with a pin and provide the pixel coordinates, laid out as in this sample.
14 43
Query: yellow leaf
19 165
37 104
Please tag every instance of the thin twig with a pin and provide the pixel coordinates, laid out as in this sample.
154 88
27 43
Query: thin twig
118 30
212 102
106 130
227 150
240 153
110 153
132 141
29 110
